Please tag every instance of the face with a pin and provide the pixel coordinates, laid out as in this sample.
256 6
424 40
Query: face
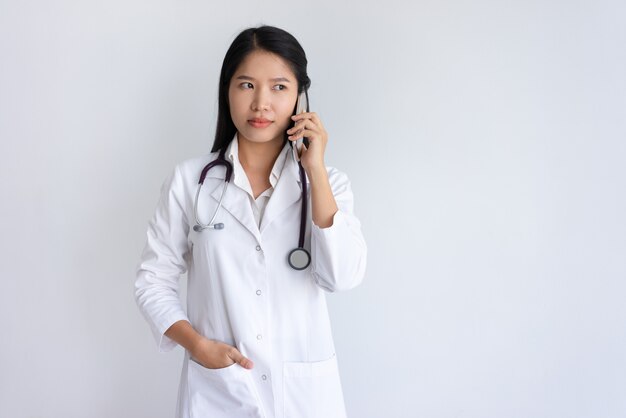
262 95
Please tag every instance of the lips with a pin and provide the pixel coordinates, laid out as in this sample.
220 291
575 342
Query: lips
259 122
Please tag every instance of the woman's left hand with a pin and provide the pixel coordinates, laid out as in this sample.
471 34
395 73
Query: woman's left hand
309 125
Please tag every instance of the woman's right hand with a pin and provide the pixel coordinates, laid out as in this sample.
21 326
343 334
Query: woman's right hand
217 355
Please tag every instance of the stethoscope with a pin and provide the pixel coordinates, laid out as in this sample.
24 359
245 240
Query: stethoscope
298 258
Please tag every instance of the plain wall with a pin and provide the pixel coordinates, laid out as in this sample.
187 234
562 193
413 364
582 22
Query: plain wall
486 144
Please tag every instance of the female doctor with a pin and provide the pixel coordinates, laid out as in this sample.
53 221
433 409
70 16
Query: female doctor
256 330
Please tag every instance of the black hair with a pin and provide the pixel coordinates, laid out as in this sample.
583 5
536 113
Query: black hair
266 38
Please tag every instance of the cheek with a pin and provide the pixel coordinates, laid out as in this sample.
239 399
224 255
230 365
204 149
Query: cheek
284 120
233 110
286 110
234 104
236 112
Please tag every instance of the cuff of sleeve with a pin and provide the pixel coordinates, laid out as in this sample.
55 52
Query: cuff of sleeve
338 221
165 343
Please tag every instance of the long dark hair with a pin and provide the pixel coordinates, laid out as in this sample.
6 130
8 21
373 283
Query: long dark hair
268 38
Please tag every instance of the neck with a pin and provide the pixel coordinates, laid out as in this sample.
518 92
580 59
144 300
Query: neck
259 157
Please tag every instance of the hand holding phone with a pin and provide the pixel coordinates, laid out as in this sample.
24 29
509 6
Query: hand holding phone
302 105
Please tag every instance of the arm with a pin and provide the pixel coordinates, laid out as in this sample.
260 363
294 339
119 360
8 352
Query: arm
183 333
162 263
323 202
338 249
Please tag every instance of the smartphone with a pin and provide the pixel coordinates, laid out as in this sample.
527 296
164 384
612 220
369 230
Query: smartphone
302 105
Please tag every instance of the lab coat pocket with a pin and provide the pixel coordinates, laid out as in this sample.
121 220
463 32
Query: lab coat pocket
313 390
221 393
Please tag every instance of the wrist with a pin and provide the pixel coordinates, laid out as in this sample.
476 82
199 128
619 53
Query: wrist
197 343
317 172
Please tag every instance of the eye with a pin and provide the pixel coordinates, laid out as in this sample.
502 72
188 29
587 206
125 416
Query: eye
282 87
245 85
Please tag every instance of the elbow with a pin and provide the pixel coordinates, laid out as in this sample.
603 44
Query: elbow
339 255
144 286
341 276
333 286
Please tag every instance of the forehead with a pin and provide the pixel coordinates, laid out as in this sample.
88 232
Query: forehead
264 65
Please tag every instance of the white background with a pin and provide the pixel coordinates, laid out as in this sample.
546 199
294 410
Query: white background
486 146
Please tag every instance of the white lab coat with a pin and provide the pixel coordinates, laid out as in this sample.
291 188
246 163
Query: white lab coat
242 291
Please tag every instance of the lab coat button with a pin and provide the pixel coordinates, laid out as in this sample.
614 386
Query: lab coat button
264 377
258 248
258 292
258 337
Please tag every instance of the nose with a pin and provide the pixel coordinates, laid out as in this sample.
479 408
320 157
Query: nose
261 100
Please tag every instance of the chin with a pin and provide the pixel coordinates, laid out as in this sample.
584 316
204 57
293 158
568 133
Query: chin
257 137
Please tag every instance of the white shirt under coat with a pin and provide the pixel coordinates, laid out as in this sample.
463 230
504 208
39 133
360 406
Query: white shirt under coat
241 179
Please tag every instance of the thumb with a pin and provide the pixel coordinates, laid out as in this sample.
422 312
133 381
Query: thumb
239 358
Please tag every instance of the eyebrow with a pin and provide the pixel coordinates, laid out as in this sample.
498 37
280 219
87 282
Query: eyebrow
245 77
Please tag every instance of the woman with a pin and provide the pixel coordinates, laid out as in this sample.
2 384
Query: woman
256 330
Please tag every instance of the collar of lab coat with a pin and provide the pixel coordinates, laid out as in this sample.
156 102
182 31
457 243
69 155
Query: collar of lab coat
239 175
236 201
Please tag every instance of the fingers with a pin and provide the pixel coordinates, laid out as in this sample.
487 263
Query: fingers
307 122
305 129
303 133
302 124
308 125
239 358
216 355
308 115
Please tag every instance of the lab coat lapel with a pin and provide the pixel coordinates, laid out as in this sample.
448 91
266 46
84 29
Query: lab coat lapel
286 193
236 202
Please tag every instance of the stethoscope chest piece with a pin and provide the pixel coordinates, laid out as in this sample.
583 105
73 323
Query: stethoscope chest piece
299 258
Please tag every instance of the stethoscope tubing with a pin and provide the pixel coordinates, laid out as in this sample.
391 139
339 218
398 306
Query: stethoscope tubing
304 205
299 258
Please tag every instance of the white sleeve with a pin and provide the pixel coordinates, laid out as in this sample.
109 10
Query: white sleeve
163 262
339 252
